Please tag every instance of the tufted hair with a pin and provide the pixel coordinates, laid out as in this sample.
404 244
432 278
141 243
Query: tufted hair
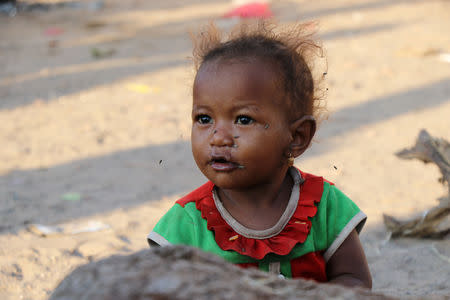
292 50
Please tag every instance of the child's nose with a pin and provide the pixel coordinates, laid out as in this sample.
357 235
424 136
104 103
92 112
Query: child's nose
221 136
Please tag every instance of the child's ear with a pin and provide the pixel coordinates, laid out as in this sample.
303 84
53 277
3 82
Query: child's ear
302 130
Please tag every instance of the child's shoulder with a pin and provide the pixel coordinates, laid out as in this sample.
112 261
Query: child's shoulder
199 193
308 176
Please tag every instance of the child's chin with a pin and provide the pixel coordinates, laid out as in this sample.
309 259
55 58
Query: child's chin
227 180
230 184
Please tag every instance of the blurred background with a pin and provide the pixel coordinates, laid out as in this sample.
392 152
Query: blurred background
95 100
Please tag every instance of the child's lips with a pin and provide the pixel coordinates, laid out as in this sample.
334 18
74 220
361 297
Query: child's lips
224 166
223 163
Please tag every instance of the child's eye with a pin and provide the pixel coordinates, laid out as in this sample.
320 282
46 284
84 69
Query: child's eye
244 120
204 119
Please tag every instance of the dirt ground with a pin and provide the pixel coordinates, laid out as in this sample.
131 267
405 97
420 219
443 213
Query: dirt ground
95 121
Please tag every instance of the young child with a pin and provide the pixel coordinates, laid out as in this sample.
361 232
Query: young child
252 114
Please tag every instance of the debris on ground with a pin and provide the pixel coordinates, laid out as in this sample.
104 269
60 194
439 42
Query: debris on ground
74 197
435 222
67 228
100 53
8 7
12 7
53 31
143 88
253 9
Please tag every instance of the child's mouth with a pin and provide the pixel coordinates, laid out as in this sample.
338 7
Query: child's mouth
221 164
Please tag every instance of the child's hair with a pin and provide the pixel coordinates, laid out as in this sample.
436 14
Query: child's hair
291 51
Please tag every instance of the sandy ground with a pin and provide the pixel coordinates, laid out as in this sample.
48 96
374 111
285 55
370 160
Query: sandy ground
107 139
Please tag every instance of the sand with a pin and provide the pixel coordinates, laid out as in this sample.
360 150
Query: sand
95 126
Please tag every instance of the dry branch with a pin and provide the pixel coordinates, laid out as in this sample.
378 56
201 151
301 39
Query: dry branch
435 222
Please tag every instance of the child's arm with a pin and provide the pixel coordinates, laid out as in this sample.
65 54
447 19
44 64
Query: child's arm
348 265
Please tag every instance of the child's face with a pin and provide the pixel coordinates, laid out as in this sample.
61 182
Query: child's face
240 131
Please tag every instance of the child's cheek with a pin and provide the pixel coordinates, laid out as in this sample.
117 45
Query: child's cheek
199 145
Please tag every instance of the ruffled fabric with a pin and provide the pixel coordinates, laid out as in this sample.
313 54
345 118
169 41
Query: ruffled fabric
296 230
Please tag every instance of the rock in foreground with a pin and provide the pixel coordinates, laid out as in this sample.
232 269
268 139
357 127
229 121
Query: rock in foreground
181 272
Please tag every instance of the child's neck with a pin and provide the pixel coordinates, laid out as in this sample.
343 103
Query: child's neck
259 207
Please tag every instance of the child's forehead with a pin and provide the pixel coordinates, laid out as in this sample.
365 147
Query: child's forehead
249 82
251 71
236 76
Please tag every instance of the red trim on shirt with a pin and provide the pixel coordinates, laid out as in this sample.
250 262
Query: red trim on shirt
199 193
310 266
296 231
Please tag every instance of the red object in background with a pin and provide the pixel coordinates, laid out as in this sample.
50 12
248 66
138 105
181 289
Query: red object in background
250 10
53 31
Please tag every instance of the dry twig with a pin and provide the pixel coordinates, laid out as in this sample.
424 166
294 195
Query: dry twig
435 222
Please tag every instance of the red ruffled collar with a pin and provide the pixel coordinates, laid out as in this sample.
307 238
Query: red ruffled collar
294 232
